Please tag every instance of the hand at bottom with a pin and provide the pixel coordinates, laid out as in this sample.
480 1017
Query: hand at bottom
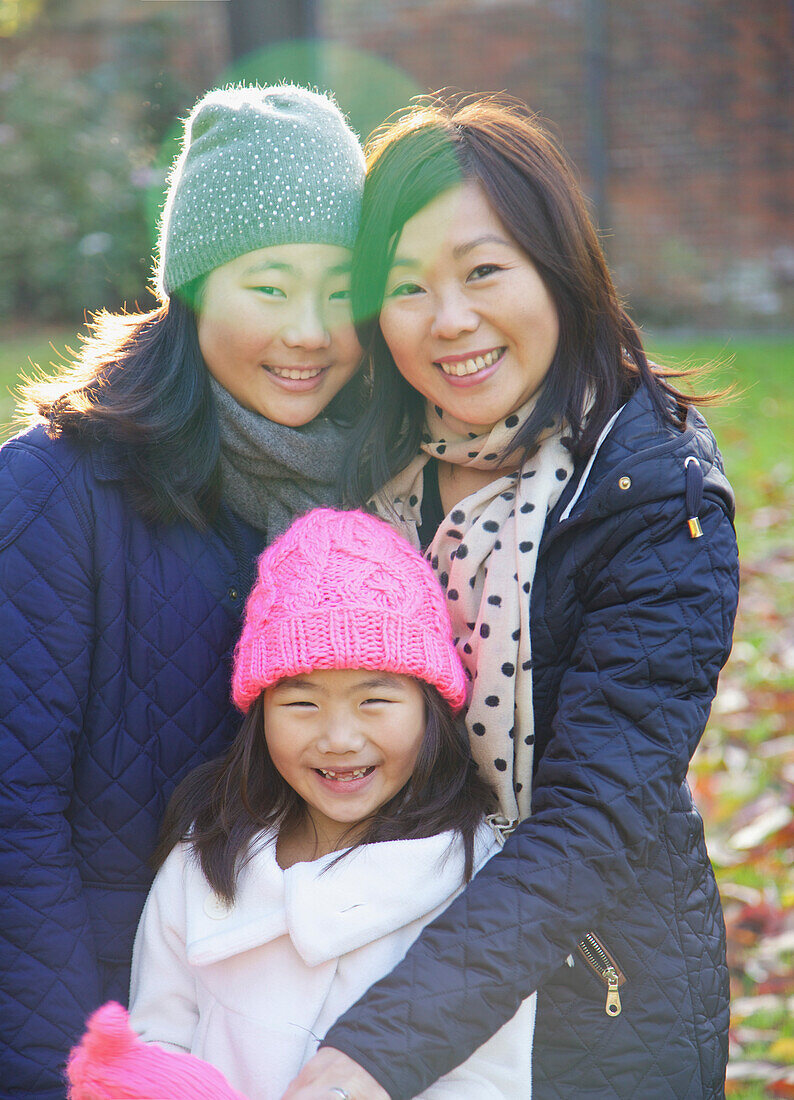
330 1069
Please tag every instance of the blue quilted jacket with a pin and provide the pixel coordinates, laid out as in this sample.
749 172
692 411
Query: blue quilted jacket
115 641
631 622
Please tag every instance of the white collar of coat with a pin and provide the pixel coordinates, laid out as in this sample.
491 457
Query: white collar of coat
373 891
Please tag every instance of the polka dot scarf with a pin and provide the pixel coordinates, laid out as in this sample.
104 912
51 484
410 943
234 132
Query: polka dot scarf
484 555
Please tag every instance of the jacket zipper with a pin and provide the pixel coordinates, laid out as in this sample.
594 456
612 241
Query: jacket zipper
601 963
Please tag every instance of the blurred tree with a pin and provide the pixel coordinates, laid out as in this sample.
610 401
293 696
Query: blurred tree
17 15
76 152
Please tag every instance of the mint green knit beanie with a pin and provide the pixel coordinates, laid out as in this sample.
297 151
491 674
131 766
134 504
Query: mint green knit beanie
258 167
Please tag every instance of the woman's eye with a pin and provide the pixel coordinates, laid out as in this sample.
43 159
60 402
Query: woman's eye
302 704
405 290
340 296
483 270
378 701
270 291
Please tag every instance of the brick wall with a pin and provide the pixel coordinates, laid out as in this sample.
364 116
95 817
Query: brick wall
679 118
696 123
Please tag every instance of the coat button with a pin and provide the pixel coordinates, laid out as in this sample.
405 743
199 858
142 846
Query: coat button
624 483
232 593
216 908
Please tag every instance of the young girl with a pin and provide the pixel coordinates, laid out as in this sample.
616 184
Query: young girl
131 516
345 816
573 504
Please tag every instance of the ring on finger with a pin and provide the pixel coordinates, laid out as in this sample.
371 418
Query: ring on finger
341 1092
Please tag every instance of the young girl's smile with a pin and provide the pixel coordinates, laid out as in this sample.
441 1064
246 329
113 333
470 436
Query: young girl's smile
467 317
346 740
275 329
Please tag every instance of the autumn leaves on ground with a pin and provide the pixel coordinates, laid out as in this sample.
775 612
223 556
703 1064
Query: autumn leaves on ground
743 773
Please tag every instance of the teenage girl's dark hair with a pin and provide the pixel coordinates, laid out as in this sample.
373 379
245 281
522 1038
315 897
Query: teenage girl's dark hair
496 141
139 385
221 806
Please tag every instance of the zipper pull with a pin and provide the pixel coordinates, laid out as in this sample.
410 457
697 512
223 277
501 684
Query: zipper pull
612 1007
694 496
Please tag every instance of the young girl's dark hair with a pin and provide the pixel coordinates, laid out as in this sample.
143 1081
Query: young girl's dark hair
494 140
220 807
140 385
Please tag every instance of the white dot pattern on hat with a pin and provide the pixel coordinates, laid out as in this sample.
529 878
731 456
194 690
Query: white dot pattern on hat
258 167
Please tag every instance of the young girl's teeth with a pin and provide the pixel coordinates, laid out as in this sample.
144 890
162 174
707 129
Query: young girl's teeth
359 773
471 366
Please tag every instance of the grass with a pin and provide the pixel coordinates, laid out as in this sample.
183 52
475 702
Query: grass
752 429
736 771
19 351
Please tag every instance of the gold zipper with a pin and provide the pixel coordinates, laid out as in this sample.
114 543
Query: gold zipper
602 964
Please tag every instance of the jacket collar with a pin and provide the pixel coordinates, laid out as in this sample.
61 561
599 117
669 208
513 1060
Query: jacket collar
651 454
327 908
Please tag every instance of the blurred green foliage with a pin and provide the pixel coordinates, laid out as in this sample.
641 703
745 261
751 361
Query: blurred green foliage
75 157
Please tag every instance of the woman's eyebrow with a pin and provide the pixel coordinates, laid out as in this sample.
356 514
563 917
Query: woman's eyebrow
467 246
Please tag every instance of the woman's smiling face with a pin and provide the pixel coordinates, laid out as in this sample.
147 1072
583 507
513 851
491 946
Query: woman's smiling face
467 318
275 329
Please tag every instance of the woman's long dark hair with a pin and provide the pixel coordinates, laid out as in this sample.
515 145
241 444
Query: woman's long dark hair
496 141
139 384
221 806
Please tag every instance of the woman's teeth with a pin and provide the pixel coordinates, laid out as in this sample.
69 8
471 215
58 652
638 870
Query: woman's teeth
297 375
345 777
471 366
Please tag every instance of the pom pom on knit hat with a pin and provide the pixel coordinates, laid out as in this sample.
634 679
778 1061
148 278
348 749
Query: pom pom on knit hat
344 590
112 1063
258 167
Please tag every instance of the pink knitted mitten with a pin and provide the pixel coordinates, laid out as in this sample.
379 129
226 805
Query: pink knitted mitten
112 1063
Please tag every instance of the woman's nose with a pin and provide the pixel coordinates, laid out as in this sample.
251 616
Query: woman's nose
453 315
307 329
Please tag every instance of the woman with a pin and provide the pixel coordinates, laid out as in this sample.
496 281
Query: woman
573 504
181 442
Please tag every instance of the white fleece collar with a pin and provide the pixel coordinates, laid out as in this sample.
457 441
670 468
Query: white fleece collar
327 910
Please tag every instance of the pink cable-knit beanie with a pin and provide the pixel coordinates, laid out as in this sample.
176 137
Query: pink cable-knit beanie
343 590
112 1063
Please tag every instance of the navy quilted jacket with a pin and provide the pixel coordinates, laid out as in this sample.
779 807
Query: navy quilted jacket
115 640
631 622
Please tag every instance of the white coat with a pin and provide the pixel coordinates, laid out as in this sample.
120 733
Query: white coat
252 988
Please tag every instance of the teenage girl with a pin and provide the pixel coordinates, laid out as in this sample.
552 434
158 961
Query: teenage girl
178 444
573 505
346 815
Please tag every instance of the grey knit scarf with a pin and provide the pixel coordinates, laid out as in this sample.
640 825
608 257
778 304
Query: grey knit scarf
272 473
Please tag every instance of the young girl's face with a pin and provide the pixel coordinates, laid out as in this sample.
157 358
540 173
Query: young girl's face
346 740
275 329
467 317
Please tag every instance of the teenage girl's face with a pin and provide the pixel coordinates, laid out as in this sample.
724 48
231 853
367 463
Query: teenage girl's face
467 318
346 740
275 329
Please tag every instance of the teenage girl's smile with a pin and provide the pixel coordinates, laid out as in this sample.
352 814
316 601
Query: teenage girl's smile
467 316
275 329
346 740
296 379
